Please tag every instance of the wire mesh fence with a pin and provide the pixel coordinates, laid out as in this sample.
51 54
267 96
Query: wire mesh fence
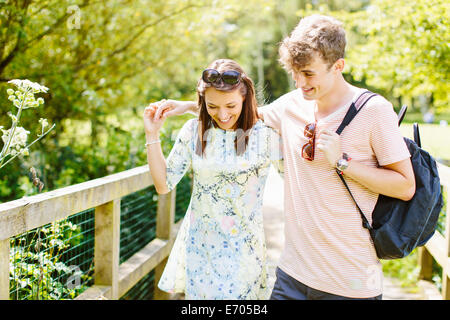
143 290
56 261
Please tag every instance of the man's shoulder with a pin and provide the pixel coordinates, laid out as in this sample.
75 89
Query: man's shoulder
294 95
377 103
292 98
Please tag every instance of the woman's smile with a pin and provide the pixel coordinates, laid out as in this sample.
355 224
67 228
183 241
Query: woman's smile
225 121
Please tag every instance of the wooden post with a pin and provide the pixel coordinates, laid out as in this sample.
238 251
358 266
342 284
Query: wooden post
446 272
107 244
425 261
165 218
4 269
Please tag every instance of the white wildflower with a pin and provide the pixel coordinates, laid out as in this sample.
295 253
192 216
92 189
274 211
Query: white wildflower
25 152
13 117
43 122
19 139
26 84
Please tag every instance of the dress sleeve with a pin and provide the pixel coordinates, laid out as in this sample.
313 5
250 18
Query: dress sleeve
180 158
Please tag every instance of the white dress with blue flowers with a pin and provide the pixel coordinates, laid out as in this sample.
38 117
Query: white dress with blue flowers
220 250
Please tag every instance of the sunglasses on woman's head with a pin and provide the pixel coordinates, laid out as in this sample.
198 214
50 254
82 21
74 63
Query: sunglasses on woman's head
213 77
308 148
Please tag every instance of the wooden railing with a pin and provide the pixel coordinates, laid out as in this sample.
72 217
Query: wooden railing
111 279
438 247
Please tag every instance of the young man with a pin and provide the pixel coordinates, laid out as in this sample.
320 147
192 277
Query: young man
327 253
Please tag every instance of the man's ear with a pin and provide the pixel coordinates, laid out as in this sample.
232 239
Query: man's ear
339 65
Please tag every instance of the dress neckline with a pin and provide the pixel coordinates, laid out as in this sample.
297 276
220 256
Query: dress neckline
218 129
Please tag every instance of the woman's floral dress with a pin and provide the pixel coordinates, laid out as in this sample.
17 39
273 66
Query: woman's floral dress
220 250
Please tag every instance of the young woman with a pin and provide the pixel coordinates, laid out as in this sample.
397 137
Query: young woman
220 251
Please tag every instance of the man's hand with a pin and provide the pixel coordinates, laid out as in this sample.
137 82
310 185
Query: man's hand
168 108
395 180
330 143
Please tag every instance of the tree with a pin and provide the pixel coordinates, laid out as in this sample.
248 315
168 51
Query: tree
402 47
105 60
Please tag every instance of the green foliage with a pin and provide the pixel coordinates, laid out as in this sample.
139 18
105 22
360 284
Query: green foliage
402 48
36 267
406 270
105 60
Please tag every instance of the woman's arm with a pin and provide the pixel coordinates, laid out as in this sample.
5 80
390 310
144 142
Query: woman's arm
155 157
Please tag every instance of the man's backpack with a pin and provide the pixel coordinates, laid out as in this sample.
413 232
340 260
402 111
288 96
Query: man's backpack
400 226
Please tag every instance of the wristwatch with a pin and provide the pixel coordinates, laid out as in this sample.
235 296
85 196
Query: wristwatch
342 163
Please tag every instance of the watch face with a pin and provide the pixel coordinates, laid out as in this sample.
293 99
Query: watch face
342 164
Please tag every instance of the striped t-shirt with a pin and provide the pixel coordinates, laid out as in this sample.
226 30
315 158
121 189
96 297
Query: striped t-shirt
326 247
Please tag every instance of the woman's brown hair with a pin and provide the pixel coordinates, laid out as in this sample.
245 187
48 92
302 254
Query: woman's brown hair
248 116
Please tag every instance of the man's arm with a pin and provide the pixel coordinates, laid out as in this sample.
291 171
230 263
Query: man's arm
395 180
260 114
170 108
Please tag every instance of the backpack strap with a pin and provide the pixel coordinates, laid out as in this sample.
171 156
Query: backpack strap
355 107
401 114
417 134
366 223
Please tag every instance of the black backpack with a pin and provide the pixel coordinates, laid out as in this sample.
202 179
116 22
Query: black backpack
400 226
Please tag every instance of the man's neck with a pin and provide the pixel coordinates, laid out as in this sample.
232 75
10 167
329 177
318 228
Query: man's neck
336 98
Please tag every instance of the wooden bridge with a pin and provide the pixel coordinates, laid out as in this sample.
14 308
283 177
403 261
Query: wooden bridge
113 279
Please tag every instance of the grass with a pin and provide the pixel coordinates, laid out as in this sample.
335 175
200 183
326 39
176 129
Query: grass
435 138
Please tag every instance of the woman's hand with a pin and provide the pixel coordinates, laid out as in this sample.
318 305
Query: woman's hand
152 125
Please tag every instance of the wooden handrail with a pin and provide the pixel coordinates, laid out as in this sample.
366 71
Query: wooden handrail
112 280
438 247
28 213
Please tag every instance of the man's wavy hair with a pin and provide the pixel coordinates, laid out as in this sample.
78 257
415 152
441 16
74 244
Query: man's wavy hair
248 116
314 34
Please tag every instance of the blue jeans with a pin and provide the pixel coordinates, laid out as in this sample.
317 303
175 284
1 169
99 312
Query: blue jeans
288 288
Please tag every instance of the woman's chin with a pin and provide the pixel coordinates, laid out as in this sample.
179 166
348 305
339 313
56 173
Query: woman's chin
227 125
